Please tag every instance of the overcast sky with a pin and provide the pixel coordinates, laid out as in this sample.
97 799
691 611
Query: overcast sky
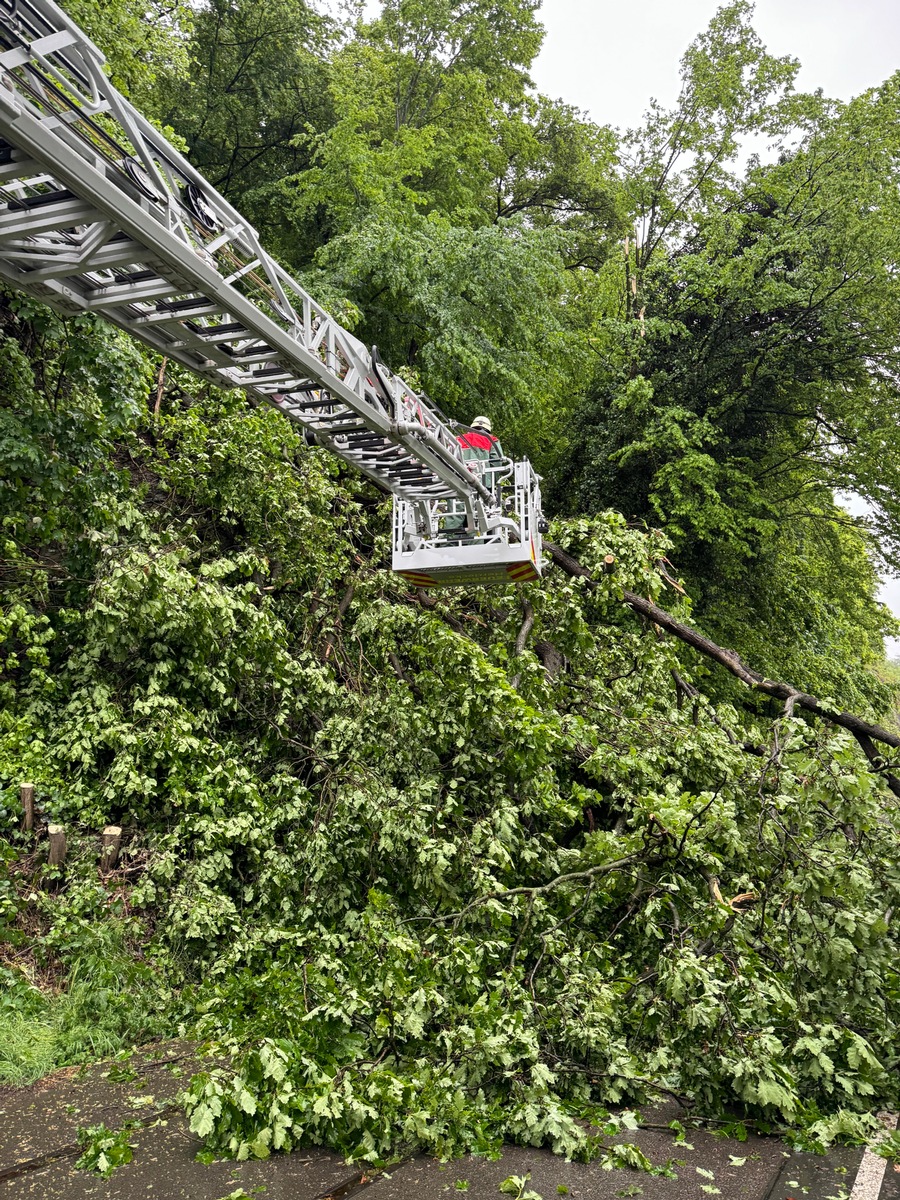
610 58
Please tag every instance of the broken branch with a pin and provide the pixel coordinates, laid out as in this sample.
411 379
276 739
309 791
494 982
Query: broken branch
864 731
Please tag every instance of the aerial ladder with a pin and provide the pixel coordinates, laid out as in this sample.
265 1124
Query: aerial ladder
99 213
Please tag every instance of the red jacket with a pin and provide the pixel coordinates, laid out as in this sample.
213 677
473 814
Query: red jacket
479 444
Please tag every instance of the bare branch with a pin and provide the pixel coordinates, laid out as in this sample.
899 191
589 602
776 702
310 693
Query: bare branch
532 892
864 731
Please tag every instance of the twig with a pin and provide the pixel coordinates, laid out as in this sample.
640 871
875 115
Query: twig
533 892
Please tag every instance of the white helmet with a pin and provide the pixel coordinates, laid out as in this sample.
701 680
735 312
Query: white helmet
482 423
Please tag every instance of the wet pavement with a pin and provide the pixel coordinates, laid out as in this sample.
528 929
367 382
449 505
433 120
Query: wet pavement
39 1130
38 1149
708 1166
890 1189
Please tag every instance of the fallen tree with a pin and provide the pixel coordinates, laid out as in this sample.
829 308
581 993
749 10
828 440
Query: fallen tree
865 732
424 885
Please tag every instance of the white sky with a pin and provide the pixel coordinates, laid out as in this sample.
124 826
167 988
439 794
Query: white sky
889 593
609 59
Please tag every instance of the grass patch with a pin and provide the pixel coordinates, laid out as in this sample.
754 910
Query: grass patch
28 1048
83 1024
109 1001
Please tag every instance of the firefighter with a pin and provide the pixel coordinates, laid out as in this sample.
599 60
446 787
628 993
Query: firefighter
479 444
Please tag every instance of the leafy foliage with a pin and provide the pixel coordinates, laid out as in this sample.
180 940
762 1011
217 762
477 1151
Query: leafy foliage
428 905
113 996
260 82
517 1185
749 370
145 42
104 1149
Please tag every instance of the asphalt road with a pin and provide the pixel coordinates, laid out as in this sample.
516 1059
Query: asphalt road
38 1149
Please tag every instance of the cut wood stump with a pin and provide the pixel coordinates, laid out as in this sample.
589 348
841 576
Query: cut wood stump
57 837
112 844
26 795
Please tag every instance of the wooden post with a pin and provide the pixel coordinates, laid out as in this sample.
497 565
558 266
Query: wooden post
57 845
112 842
26 795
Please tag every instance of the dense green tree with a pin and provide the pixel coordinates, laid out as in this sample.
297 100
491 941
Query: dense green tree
450 869
460 209
259 81
436 204
766 355
750 371
145 43
418 95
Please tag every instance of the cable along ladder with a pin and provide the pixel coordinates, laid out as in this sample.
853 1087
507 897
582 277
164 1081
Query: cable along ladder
99 213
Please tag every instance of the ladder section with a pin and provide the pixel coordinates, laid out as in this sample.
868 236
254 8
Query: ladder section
99 213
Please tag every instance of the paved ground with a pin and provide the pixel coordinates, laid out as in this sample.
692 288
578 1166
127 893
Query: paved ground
758 1169
38 1132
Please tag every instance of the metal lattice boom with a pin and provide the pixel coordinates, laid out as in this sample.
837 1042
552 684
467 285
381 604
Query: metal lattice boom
99 213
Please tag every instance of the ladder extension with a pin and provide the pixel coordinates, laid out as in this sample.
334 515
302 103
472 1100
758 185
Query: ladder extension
99 213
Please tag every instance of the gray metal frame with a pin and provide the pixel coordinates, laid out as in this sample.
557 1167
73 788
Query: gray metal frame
100 213
509 553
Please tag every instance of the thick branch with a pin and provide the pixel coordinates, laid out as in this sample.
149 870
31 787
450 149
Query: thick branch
526 628
344 605
864 731
877 762
524 631
397 668
551 658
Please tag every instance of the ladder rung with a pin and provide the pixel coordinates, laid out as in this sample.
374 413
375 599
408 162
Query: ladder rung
185 305
211 332
163 316
305 389
247 353
65 215
127 293
17 168
135 276
274 374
